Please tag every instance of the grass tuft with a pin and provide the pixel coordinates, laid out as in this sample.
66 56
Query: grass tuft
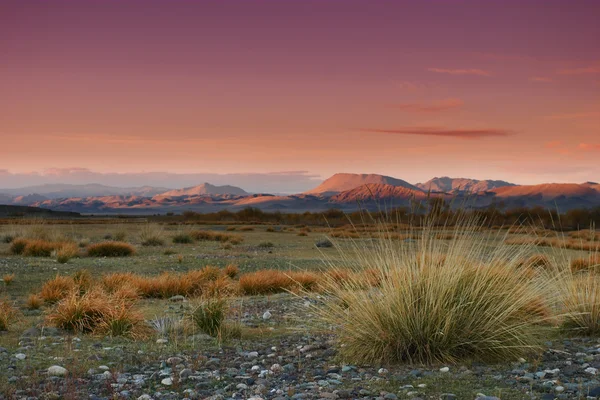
8 314
110 249
208 316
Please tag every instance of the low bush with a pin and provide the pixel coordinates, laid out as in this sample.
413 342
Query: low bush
8 279
17 247
66 252
110 249
216 236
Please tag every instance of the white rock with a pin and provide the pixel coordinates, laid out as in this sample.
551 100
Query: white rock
20 356
252 355
444 369
422 385
167 381
103 368
382 371
276 368
267 315
145 397
591 370
57 370
161 341
559 389
241 386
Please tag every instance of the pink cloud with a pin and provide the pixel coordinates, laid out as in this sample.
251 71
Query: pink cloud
437 106
471 71
444 132
576 115
589 146
581 70
541 79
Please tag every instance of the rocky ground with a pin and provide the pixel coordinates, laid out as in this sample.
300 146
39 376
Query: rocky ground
278 358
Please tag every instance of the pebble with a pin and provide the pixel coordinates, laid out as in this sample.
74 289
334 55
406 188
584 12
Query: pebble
20 356
57 370
444 369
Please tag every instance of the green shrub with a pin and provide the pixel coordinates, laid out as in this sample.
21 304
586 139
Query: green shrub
209 315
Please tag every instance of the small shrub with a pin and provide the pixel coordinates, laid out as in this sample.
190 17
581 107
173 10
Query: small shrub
8 279
324 243
180 258
266 245
246 228
17 247
8 314
231 228
120 235
34 302
40 248
56 289
83 243
231 271
208 316
66 252
169 252
8 238
110 249
152 235
216 236
183 238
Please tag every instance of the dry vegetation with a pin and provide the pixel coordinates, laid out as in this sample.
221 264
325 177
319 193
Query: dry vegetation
110 249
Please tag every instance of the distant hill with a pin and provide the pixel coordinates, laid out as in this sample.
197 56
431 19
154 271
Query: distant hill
379 191
449 185
342 182
60 190
206 189
25 211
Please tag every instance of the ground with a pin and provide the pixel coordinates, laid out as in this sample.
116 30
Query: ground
288 355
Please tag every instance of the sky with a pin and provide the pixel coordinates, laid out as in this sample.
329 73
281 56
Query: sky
129 92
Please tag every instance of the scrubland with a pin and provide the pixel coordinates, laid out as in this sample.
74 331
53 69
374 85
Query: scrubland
372 303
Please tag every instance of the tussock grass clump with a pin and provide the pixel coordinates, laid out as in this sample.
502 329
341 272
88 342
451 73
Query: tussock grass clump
110 249
34 302
209 315
8 314
152 235
216 236
231 271
265 245
591 263
183 238
436 301
273 281
8 279
246 228
17 246
96 311
57 288
581 303
66 252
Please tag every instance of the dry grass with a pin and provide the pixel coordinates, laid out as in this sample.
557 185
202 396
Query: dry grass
17 246
152 235
57 288
246 228
66 252
8 279
8 314
231 271
34 302
110 249
582 304
556 242
183 238
272 281
216 236
37 247
590 263
96 311
435 301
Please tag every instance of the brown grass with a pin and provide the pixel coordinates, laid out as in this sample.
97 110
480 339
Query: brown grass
8 314
216 236
110 249
8 279
34 302
272 281
65 252
57 288
231 271
590 263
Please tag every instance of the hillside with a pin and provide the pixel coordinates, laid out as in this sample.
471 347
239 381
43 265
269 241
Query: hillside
206 189
447 184
378 192
342 182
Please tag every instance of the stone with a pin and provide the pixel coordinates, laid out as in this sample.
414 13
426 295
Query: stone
20 356
57 370
167 381
266 315
444 369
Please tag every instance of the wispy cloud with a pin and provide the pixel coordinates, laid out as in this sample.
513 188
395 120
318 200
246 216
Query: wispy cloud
591 69
589 146
436 106
443 132
553 144
470 71
541 79
575 115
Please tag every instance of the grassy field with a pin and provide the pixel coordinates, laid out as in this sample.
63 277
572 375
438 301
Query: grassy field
250 248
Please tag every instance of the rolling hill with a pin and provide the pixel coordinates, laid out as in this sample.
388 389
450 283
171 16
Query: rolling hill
342 182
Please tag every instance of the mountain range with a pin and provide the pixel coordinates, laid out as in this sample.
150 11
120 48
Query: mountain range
344 191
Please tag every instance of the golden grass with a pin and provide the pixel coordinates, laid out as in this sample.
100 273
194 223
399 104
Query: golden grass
581 302
66 252
34 302
216 236
8 314
231 271
556 242
272 281
8 279
435 301
584 264
110 249
57 288
152 235
98 312
37 247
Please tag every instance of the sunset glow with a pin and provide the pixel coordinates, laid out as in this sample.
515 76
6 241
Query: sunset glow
414 89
